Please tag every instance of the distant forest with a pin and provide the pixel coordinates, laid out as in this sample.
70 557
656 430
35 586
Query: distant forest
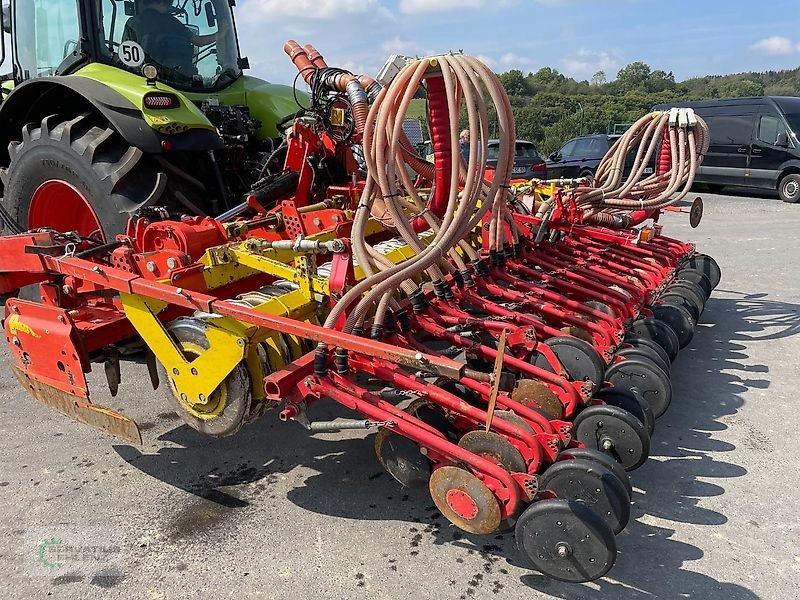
551 108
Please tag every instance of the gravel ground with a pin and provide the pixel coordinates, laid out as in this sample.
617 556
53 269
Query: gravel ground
273 513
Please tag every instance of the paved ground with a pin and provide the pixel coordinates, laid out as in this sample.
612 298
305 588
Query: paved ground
275 514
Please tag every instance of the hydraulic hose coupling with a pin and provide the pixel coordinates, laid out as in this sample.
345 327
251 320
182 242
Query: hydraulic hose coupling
443 290
458 279
377 331
419 303
467 279
321 360
358 331
340 359
481 270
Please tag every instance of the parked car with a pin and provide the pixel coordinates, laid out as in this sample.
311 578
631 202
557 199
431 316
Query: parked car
581 156
754 143
527 162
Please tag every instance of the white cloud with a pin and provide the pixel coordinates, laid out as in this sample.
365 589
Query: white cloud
396 45
320 10
775 44
412 7
586 62
513 60
335 27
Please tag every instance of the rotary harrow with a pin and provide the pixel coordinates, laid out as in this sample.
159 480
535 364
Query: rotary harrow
510 343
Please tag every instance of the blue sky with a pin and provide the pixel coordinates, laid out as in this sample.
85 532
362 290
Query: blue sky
577 37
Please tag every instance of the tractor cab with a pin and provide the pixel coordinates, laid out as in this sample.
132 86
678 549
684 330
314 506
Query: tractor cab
190 45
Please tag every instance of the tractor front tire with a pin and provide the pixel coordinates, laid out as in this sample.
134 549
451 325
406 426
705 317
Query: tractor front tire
77 175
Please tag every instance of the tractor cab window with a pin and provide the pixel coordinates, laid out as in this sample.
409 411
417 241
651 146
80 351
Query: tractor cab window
47 32
192 43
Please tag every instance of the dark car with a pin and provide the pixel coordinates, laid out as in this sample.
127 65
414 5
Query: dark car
581 156
527 162
754 143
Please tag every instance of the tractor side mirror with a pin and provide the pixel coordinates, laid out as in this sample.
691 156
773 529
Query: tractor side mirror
211 15
782 140
555 156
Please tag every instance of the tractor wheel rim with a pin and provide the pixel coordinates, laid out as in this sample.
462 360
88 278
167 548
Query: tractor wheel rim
60 206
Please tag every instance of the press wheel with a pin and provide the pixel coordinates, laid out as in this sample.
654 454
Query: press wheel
632 402
594 485
684 302
646 378
646 354
579 359
640 342
603 459
679 320
707 266
615 432
565 540
658 331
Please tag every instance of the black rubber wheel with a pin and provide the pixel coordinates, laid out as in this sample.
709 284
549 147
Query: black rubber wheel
685 303
707 266
647 354
614 431
659 332
566 540
789 188
679 320
594 485
112 177
690 291
632 402
579 359
640 342
647 379
601 458
697 277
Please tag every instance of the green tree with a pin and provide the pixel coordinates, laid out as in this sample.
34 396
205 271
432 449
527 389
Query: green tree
599 79
547 76
634 76
514 83
740 88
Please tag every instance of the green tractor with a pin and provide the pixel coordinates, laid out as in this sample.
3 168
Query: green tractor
115 106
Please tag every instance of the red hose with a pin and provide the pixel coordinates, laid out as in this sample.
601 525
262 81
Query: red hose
665 154
439 118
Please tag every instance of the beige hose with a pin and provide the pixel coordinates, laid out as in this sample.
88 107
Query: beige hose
386 153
